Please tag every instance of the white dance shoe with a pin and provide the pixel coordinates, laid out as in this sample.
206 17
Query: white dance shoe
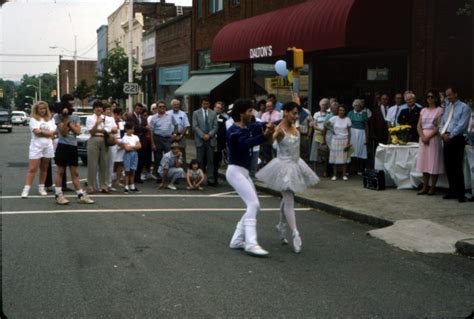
296 242
281 232
238 240
251 245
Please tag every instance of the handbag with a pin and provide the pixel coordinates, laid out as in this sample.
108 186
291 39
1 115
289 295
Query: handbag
374 179
109 139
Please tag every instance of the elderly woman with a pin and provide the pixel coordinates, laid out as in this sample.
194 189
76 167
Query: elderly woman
318 125
340 141
359 135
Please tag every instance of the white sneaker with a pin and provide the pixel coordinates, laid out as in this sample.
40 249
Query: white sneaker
85 199
42 191
345 178
333 178
61 200
171 186
24 194
152 176
143 176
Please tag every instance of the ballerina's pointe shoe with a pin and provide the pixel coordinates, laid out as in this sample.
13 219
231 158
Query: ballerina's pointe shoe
296 242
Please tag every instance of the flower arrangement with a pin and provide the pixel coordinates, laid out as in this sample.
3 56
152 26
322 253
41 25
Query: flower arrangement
399 134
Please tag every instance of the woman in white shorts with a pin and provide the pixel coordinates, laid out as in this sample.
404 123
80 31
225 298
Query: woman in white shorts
43 131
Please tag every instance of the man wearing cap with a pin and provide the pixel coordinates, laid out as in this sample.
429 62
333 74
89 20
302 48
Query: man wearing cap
171 167
182 128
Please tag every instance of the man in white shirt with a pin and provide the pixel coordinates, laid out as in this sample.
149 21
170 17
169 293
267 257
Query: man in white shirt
394 111
183 126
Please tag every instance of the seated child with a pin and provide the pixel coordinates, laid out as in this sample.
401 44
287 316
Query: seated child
195 176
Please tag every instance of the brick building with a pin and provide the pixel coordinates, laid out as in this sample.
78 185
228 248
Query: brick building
166 49
352 47
86 70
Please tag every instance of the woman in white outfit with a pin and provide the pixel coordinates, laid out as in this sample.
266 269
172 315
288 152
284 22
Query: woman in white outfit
43 131
241 137
288 173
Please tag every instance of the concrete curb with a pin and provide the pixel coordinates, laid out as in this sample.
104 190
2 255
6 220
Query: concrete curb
464 247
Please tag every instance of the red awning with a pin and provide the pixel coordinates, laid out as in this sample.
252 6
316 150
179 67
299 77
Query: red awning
314 25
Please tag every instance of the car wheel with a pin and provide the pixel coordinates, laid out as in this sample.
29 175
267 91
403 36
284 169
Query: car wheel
84 160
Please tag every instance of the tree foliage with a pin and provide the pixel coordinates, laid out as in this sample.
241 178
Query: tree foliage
115 74
30 84
83 90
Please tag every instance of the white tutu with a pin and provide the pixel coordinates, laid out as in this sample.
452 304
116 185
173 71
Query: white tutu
288 172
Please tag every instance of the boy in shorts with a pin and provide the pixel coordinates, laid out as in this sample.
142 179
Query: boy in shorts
130 143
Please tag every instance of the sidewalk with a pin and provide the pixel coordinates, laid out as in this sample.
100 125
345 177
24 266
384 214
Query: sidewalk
427 224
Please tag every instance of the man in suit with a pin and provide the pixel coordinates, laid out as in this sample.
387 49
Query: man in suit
377 123
410 116
139 121
205 131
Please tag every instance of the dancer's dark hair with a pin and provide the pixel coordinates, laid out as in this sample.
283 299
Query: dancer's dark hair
240 107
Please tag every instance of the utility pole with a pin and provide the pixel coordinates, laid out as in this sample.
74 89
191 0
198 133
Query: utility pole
130 47
39 88
75 61
58 82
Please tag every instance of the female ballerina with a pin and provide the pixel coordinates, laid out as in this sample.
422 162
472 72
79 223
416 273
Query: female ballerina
288 173
241 138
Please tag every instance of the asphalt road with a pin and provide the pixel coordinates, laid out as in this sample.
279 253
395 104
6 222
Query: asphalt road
163 254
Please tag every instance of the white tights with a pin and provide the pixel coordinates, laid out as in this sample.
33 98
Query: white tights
287 209
238 177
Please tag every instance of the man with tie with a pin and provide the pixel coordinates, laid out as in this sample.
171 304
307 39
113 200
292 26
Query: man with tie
205 131
454 124
410 116
394 111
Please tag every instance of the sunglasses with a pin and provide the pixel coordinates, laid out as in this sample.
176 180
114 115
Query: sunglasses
430 96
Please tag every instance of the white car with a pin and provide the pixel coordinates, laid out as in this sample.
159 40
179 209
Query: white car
20 117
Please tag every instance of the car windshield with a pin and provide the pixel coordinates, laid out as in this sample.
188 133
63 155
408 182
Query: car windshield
18 113
3 113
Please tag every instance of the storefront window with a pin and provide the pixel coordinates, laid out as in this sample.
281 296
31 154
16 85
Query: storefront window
235 3
204 61
267 81
215 6
377 74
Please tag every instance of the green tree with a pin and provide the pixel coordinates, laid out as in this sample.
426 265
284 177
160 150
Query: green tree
83 90
29 85
115 74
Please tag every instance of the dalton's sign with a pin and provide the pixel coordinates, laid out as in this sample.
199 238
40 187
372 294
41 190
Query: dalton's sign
261 52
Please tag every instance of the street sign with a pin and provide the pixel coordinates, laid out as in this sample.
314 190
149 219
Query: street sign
131 88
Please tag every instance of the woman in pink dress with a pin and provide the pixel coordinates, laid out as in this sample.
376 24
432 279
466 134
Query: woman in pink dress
430 153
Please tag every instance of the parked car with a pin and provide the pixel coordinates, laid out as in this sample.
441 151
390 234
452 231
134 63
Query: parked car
82 139
6 121
20 118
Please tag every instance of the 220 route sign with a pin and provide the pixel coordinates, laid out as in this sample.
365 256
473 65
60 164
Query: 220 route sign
131 88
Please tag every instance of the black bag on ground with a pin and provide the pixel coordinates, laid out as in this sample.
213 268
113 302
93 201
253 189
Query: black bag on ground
374 179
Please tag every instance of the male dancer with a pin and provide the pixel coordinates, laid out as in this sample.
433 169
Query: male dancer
241 138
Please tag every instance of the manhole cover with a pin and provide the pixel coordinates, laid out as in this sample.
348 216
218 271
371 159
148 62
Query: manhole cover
17 164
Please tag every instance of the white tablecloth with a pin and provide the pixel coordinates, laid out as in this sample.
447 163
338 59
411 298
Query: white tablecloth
399 164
